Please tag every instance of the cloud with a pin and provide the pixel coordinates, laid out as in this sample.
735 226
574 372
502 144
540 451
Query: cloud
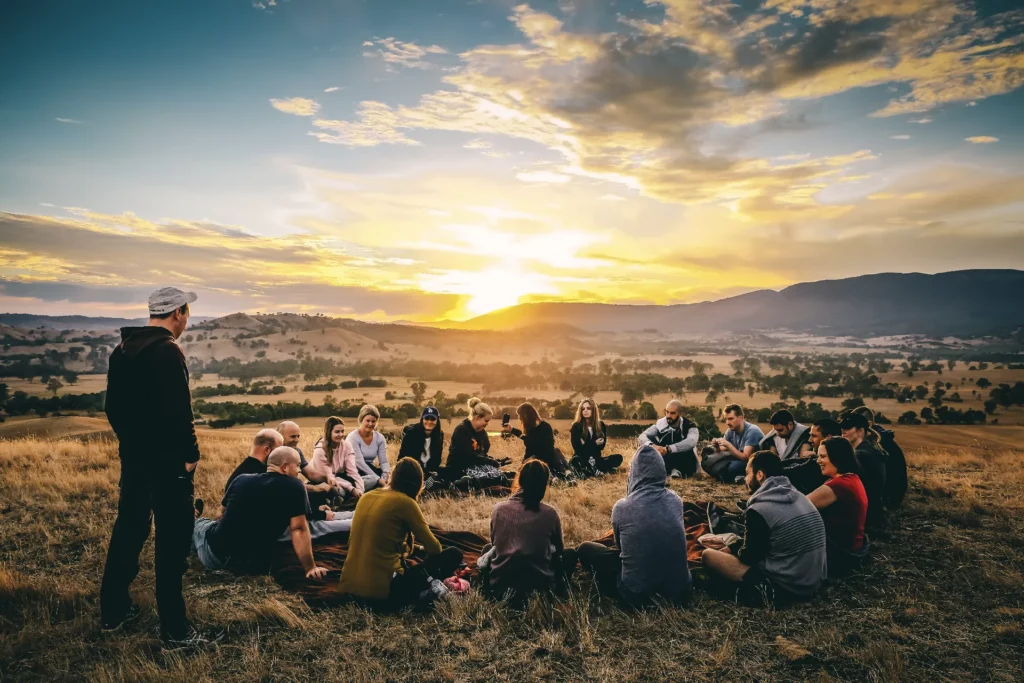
299 106
612 198
377 126
397 53
71 121
921 120
542 177
333 88
899 137
477 143
981 139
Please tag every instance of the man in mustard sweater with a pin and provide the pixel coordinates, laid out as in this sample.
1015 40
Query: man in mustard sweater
387 523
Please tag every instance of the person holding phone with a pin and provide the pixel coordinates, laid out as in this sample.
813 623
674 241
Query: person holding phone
539 439
588 438
468 453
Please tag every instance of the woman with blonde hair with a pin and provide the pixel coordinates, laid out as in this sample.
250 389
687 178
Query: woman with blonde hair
334 459
588 436
369 446
468 454
539 439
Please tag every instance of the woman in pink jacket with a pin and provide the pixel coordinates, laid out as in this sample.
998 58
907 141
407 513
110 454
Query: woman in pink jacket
340 467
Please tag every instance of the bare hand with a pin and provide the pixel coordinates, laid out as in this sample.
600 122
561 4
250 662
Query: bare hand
600 442
661 449
356 493
323 487
316 573
506 429
191 466
328 512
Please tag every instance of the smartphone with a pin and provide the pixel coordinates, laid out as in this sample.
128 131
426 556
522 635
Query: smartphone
505 419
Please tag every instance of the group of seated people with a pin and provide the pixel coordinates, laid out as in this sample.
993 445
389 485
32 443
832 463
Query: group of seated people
789 539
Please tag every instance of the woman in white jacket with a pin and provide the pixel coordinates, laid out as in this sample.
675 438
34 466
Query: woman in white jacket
369 445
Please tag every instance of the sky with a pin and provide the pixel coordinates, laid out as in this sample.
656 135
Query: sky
439 160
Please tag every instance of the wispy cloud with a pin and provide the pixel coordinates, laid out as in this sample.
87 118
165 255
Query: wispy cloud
333 88
542 177
899 137
981 139
921 120
72 121
397 53
299 106
477 143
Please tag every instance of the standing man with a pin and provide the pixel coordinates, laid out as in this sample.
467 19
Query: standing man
149 406
674 437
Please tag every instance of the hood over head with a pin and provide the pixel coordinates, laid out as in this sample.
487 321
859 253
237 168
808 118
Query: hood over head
647 471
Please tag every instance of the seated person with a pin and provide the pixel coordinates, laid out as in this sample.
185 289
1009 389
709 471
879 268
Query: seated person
335 461
675 438
258 510
821 430
895 462
872 470
369 446
843 505
650 561
424 441
587 436
387 523
782 557
256 463
788 439
526 535
729 462
804 473
539 439
467 454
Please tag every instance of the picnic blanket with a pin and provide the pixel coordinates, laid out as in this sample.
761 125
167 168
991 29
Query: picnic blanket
330 552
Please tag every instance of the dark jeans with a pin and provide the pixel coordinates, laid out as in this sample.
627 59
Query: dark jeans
147 497
604 563
520 585
407 586
735 468
685 462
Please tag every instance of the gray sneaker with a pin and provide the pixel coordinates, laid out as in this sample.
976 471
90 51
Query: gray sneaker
675 474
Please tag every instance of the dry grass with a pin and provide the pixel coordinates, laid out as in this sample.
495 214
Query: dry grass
941 601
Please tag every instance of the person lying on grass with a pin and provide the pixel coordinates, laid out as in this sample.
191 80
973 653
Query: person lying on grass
782 558
387 526
258 510
650 560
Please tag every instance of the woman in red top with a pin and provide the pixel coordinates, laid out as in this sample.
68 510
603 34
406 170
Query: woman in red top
843 504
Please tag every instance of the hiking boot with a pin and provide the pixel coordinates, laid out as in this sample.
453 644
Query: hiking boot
675 474
740 479
130 615
194 638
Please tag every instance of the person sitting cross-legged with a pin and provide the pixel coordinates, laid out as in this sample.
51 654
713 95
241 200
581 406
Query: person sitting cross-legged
258 510
788 439
783 557
526 536
650 562
387 525
539 439
263 445
589 436
335 461
843 505
873 465
424 441
729 461
675 438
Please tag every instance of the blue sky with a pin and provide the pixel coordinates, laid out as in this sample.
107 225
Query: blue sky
426 160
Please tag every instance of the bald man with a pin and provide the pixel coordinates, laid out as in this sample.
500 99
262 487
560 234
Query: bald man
675 437
258 509
291 432
263 444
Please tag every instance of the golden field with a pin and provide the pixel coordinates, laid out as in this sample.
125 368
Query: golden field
943 598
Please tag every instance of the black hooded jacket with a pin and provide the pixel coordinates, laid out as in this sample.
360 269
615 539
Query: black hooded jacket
149 404
413 438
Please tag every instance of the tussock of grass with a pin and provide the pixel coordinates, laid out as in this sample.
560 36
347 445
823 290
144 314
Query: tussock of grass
939 600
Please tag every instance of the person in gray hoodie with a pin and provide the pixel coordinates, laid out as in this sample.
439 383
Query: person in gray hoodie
782 557
788 439
650 561
674 437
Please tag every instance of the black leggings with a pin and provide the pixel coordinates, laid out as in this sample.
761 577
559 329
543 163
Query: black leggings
407 586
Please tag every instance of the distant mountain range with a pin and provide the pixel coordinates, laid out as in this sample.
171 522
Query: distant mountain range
958 303
965 302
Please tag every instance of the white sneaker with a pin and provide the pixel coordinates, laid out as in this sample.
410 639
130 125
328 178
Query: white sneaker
675 474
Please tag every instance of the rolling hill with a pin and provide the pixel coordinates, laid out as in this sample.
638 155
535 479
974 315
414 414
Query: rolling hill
964 303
